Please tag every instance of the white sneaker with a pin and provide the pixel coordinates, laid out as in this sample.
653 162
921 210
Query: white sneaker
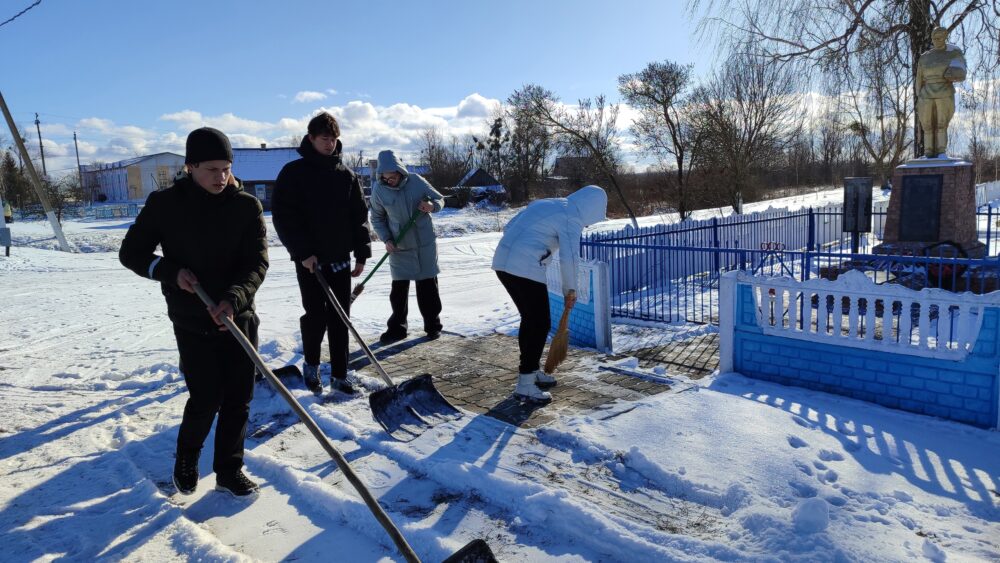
544 380
528 391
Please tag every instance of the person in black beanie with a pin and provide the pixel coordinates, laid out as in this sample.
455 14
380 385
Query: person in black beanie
211 233
320 215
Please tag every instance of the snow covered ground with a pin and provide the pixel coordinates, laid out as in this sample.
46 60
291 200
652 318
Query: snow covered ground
725 468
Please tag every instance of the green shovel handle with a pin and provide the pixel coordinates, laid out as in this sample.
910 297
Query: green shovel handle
402 233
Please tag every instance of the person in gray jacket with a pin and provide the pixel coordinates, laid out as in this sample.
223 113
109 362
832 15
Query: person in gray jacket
530 239
396 196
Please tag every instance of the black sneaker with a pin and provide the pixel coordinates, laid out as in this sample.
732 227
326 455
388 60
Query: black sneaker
342 385
433 334
236 484
186 473
310 377
388 337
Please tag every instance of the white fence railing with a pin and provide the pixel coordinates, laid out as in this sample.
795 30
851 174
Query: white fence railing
853 311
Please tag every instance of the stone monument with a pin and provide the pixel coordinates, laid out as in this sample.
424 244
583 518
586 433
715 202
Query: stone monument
934 197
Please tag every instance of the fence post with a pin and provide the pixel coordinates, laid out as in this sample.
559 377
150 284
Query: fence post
715 242
989 227
727 320
811 244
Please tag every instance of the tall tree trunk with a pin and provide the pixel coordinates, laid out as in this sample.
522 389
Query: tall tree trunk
921 25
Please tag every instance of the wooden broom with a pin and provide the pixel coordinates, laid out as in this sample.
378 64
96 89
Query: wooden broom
560 342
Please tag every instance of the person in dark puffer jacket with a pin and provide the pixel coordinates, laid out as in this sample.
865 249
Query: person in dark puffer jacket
211 233
320 215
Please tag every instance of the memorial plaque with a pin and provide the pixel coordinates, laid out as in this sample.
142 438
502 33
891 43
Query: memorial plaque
857 205
920 216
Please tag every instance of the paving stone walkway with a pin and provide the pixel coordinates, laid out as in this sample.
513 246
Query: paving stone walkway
694 357
478 374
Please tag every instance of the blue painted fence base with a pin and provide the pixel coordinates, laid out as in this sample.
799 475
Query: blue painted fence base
963 391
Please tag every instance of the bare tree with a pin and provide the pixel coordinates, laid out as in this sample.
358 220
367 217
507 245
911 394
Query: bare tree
530 145
448 161
879 103
980 125
830 132
664 127
492 151
799 153
829 31
747 114
589 131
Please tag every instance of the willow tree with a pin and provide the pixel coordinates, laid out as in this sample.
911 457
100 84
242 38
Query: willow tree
831 33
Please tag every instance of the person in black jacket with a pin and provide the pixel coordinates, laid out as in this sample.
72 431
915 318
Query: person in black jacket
211 233
320 215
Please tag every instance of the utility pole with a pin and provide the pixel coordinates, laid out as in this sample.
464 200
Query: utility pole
79 170
41 150
33 176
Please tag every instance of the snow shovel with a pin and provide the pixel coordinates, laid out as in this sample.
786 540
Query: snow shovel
289 372
403 410
402 232
474 551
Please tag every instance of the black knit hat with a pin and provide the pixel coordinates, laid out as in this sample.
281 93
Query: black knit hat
207 144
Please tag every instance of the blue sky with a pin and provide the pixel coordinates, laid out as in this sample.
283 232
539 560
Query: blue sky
133 77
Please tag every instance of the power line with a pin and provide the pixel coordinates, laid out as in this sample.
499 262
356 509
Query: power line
21 13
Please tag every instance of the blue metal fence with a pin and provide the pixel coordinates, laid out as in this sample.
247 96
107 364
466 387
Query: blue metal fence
670 273
117 211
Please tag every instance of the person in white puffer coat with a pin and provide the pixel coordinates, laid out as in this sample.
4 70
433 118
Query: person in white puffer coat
529 241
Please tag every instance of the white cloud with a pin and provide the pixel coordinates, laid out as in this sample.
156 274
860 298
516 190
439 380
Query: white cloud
475 105
331 91
364 127
306 96
54 149
355 114
290 125
189 119
95 123
57 129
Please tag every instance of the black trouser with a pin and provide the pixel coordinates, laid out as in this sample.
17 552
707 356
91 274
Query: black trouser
428 301
220 378
532 301
321 318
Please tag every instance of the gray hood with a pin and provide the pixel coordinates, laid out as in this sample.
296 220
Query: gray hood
389 162
591 203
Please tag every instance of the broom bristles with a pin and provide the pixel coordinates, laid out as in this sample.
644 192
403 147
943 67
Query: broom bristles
559 347
357 291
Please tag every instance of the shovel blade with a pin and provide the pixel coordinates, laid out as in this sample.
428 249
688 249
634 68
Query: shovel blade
476 551
406 410
288 372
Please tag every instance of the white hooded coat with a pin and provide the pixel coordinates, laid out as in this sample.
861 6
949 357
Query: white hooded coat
547 226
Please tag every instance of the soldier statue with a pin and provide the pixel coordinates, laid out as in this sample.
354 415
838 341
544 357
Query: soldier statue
937 71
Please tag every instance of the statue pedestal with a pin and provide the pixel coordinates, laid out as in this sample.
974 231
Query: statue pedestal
933 200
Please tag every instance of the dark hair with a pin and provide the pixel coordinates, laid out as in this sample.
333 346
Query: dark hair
324 124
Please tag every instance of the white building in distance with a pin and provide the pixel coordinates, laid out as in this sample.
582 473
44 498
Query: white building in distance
130 180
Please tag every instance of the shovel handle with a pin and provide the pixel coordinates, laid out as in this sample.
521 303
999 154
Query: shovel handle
402 233
341 461
354 332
